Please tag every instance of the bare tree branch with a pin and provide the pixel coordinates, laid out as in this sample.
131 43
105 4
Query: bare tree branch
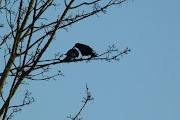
23 52
85 3
86 99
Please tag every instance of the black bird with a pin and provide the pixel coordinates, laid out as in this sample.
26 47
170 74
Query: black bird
85 50
71 54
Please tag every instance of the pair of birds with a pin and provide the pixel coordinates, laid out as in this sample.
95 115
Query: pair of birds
84 49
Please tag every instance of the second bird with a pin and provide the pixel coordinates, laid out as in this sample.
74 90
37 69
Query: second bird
71 54
85 50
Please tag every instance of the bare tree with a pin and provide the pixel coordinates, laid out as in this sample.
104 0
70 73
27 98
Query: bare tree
29 34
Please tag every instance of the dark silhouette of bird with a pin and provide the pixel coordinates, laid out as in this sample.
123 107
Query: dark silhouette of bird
85 50
71 54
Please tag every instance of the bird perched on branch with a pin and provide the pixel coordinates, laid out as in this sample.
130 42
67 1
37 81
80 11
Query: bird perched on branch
71 54
85 50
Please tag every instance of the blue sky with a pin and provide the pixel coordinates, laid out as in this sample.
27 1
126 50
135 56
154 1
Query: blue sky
143 85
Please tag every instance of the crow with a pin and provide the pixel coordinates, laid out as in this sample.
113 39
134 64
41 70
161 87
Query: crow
71 54
85 50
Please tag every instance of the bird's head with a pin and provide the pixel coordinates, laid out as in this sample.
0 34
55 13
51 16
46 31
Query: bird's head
77 44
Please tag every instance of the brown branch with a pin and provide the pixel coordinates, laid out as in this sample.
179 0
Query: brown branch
27 15
26 51
1 95
85 3
5 106
35 43
65 3
80 110
50 39
5 38
10 61
26 101
39 56
88 98
43 8
22 32
87 59
58 61
74 20
14 111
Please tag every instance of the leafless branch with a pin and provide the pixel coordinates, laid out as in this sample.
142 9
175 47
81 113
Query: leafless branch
104 56
86 99
26 101
1 95
23 52
15 110
85 3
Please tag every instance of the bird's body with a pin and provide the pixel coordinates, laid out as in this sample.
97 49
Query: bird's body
71 54
85 50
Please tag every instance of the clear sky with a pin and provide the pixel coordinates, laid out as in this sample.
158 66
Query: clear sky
143 85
